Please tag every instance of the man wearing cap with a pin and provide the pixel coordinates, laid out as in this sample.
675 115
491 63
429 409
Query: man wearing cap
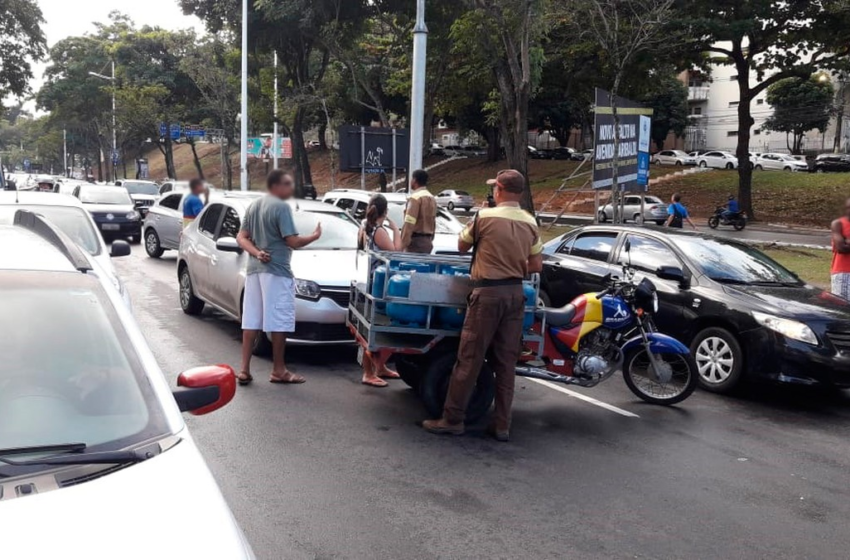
507 248
420 218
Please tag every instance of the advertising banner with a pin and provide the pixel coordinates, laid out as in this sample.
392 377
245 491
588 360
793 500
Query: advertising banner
633 157
372 149
261 148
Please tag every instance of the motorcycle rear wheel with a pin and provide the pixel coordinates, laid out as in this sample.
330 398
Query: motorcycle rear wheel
683 377
739 224
713 222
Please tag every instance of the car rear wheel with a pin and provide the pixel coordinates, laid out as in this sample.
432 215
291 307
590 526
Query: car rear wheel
703 164
678 162
729 166
638 219
190 304
719 359
451 206
152 245
759 168
603 217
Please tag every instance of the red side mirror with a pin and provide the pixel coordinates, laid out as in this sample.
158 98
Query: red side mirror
211 387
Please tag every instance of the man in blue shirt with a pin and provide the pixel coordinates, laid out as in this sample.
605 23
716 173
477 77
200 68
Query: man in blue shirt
192 204
732 208
677 213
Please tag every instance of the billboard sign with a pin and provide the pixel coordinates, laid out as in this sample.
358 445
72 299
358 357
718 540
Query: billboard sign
261 148
373 150
633 158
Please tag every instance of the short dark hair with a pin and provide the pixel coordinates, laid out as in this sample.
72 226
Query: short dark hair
421 177
276 177
196 182
677 197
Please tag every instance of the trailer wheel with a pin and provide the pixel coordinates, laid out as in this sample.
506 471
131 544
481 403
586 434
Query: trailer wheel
435 386
411 369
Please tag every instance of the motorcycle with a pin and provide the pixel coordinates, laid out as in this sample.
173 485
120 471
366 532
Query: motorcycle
598 334
737 220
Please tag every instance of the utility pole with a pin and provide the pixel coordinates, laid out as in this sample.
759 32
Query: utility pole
275 140
65 150
417 96
243 155
114 130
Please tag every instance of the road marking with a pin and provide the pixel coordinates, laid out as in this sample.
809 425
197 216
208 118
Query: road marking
585 398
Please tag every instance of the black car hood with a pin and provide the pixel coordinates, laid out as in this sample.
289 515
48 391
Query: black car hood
803 302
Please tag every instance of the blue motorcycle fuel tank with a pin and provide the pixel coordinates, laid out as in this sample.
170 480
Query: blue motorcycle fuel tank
616 313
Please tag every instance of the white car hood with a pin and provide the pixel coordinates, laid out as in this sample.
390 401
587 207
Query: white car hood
166 507
325 268
152 198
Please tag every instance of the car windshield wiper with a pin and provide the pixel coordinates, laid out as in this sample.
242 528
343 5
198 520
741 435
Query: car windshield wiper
77 456
734 281
775 283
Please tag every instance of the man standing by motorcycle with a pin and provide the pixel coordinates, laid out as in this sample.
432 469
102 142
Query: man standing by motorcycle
506 248
841 254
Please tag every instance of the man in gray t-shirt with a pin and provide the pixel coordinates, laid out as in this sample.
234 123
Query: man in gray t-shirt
268 235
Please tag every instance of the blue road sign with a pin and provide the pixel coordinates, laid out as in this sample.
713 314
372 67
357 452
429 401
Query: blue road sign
115 157
175 131
163 130
27 164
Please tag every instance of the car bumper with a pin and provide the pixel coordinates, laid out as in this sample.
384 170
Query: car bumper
322 321
775 357
119 228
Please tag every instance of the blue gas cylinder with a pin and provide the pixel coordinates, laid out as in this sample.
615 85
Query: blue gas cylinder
530 301
451 318
414 267
404 313
379 277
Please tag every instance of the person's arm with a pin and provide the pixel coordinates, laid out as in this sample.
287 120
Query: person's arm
299 241
669 220
411 216
535 259
243 238
466 240
839 243
384 242
396 240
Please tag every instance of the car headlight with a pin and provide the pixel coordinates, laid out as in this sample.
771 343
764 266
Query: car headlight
794 330
133 215
655 302
307 289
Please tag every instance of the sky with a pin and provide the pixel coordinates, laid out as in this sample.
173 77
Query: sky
65 18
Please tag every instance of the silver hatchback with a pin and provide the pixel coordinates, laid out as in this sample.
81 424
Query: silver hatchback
455 200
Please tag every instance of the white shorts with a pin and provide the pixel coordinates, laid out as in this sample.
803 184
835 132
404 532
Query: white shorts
841 285
269 304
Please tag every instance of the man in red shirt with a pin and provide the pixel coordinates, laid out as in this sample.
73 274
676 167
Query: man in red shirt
841 254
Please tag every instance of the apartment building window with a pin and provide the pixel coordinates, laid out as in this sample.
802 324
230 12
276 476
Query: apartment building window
757 132
759 101
696 111
733 78
733 104
731 133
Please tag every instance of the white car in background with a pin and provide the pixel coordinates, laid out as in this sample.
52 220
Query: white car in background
143 193
654 210
780 162
355 201
211 268
673 157
164 224
69 215
718 160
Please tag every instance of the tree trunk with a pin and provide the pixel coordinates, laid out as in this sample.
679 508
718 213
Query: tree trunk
228 164
745 123
323 143
303 173
197 160
170 170
494 143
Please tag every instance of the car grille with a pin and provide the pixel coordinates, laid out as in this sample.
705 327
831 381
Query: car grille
841 341
318 332
339 296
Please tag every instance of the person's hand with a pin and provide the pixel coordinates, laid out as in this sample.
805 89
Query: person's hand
392 224
264 257
318 232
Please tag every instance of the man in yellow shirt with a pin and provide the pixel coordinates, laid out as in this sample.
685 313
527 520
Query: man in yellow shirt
420 218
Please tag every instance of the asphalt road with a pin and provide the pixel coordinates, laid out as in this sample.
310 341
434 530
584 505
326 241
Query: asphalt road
333 469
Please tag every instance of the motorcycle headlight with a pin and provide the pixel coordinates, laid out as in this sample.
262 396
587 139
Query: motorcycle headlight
794 330
307 289
133 215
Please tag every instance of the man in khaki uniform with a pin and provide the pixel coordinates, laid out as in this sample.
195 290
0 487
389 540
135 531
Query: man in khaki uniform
507 248
420 218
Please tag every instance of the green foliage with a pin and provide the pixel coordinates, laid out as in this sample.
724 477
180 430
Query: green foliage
668 97
21 42
800 105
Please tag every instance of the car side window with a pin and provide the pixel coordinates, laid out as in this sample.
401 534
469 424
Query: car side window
345 203
230 224
633 201
648 255
171 202
209 220
359 211
595 245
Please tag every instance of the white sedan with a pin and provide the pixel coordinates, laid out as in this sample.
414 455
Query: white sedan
673 157
718 160
779 162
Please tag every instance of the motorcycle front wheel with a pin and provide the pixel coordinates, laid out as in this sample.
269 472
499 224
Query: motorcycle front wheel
713 222
673 384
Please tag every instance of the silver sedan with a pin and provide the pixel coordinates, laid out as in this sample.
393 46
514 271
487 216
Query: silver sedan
452 199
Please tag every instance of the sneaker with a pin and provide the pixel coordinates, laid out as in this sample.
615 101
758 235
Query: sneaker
442 427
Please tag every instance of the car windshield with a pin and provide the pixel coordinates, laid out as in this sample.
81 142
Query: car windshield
73 222
339 231
140 188
105 195
89 388
395 212
733 263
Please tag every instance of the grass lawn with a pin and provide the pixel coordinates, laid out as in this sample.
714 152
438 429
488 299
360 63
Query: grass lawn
812 265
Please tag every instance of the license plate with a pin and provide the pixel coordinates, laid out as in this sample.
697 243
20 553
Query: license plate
360 353
111 227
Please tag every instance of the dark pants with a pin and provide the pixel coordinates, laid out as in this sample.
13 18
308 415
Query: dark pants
421 244
493 329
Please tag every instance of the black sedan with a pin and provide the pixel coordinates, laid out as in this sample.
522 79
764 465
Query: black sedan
112 210
741 312
832 163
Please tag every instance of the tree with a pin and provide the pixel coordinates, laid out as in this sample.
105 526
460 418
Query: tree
799 105
623 29
766 41
21 42
668 98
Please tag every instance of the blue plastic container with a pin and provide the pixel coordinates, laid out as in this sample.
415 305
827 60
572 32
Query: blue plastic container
414 267
451 318
530 301
404 313
379 277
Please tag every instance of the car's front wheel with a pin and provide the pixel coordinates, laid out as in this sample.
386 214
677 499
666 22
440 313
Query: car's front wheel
152 245
451 206
719 359
603 217
703 164
189 302
729 166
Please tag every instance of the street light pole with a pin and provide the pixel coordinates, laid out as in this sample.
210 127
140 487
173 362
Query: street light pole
114 131
417 95
275 141
65 151
243 155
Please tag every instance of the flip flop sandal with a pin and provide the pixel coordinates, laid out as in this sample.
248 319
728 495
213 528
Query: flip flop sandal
244 378
378 383
293 379
389 375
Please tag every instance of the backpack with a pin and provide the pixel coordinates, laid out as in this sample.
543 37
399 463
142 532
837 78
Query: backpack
678 218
